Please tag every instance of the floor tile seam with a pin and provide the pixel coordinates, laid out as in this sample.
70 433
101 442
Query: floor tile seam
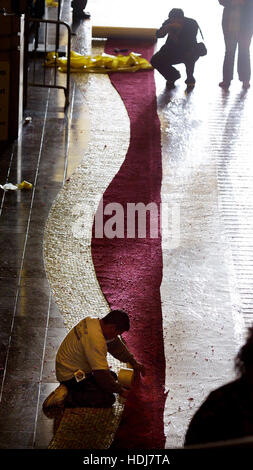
24 249
68 140
41 371
6 181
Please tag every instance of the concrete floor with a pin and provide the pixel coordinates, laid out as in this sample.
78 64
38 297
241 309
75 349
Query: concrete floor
206 292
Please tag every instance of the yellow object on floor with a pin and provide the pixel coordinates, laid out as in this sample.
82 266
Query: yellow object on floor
14 187
104 63
25 185
51 3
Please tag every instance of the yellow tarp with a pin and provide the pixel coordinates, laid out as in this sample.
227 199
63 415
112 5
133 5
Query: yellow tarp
51 3
103 63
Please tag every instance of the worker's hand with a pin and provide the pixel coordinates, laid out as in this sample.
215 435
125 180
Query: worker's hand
140 368
124 393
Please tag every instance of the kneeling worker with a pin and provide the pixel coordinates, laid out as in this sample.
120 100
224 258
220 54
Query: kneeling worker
81 363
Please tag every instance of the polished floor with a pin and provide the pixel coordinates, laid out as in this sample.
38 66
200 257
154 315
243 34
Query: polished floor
213 148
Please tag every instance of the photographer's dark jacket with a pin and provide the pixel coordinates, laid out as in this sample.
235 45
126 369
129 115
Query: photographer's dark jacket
187 38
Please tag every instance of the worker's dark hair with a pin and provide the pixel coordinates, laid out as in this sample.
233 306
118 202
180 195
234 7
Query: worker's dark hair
176 12
244 358
118 318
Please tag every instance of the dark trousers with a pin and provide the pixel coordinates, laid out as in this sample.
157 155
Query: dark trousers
242 41
163 62
87 393
36 10
78 6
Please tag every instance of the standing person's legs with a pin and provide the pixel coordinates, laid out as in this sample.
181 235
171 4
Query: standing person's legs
229 59
243 64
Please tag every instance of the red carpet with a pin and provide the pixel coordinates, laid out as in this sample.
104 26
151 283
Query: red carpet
130 270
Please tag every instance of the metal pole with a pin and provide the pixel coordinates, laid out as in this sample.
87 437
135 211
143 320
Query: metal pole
58 26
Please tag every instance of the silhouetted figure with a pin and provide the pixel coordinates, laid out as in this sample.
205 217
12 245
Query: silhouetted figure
36 8
237 25
227 413
180 47
78 7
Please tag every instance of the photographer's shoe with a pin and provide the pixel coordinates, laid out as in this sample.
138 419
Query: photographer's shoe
190 82
170 85
190 85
